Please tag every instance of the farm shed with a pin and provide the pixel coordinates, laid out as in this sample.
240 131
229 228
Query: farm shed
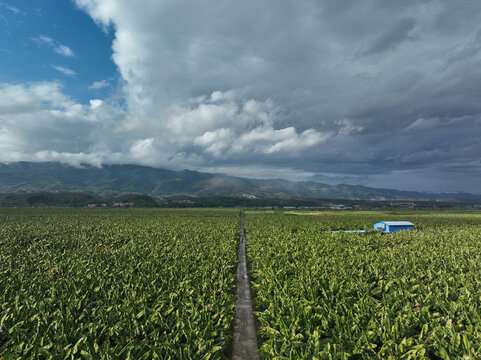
392 226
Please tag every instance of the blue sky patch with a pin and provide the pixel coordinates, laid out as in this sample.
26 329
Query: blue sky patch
51 40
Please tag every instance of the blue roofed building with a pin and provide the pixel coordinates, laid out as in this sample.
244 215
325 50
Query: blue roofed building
393 226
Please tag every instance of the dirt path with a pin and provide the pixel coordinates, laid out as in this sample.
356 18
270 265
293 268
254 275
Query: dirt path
245 339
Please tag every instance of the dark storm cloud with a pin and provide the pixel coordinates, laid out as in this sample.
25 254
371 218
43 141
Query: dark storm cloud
377 92
393 37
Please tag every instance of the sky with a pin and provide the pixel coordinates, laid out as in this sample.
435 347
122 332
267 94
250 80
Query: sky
378 93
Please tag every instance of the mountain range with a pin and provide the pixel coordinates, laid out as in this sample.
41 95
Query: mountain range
117 179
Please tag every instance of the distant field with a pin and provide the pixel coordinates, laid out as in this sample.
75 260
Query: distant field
377 213
146 284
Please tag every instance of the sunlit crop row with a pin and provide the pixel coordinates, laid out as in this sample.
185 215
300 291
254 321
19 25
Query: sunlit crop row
407 295
138 284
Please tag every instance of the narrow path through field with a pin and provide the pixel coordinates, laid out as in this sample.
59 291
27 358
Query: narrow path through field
245 339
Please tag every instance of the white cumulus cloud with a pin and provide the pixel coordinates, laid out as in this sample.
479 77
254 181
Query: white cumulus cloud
95 103
325 87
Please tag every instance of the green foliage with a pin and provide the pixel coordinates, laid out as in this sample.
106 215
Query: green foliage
407 295
73 199
146 284
111 284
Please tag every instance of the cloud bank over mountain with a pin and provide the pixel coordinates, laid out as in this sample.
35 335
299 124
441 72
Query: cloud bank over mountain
377 93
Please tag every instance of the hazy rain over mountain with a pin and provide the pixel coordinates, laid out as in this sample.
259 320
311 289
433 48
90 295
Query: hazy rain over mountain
377 93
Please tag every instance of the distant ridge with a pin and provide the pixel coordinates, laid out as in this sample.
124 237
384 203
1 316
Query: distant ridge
113 180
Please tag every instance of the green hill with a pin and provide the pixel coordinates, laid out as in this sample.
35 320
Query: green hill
113 180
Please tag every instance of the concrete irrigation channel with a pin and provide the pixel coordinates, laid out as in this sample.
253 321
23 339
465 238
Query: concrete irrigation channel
245 345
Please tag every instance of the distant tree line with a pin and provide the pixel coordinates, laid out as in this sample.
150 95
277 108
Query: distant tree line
81 199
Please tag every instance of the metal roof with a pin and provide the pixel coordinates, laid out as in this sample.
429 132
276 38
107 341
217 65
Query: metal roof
396 223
